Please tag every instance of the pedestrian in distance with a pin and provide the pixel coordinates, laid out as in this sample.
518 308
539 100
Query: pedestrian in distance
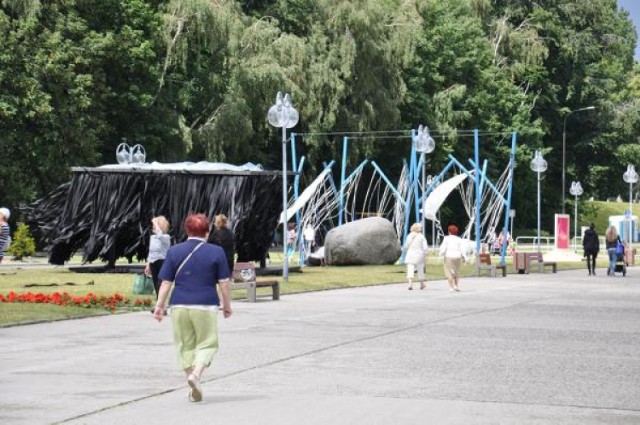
309 235
491 239
223 236
199 273
415 255
159 243
5 231
591 245
292 237
611 240
453 251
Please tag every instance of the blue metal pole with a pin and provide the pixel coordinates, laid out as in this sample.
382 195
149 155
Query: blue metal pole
476 140
485 180
483 176
414 174
343 172
386 179
331 181
294 168
410 174
459 164
355 172
299 233
505 228
421 167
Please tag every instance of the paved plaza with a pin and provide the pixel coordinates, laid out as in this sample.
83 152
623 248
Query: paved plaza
527 349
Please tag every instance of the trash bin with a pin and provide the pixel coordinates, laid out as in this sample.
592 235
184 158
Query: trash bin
520 260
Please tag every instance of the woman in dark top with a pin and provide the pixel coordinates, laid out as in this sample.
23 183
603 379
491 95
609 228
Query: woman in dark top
591 245
223 237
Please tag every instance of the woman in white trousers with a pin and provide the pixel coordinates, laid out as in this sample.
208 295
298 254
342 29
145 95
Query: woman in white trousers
415 248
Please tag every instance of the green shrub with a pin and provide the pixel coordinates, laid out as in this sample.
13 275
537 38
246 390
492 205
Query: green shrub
22 244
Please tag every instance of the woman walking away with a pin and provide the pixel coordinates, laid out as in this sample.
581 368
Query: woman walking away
452 251
197 269
591 245
415 248
223 236
159 244
611 240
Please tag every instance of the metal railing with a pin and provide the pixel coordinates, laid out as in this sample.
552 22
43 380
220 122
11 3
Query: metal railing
530 243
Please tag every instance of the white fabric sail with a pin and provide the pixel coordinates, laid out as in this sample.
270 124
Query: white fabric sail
437 197
305 195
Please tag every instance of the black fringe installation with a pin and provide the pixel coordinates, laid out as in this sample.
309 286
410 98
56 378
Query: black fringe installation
108 215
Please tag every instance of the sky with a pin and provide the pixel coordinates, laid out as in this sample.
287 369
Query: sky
633 6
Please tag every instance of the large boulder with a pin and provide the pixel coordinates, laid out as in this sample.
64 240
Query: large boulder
370 240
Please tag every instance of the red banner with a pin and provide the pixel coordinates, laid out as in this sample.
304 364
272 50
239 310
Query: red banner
563 223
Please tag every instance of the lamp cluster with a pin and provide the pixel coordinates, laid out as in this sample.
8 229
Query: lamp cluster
538 163
576 189
126 154
424 143
282 114
630 176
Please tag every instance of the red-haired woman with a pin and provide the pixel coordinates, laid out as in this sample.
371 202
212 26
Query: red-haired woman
452 250
197 268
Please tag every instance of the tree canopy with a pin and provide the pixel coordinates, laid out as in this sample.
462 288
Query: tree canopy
193 79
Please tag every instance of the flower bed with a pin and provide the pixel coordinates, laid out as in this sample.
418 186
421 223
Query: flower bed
111 302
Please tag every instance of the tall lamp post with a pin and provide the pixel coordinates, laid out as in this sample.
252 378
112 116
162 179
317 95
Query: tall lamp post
282 114
539 166
630 176
424 144
564 147
575 190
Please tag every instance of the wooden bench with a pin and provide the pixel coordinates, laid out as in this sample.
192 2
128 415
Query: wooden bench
485 265
542 265
244 277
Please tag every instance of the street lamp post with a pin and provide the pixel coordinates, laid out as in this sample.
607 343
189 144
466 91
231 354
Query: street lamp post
424 144
564 147
630 176
538 165
575 190
282 114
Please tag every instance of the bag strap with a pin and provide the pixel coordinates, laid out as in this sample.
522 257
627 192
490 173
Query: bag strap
188 257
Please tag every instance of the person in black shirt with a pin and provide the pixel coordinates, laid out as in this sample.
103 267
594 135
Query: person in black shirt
223 237
591 245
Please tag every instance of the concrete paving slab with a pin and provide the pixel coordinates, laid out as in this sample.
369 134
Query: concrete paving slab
527 349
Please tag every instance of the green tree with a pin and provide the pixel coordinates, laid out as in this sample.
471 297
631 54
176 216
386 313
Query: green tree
22 244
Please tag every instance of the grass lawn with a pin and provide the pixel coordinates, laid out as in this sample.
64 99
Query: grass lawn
47 280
